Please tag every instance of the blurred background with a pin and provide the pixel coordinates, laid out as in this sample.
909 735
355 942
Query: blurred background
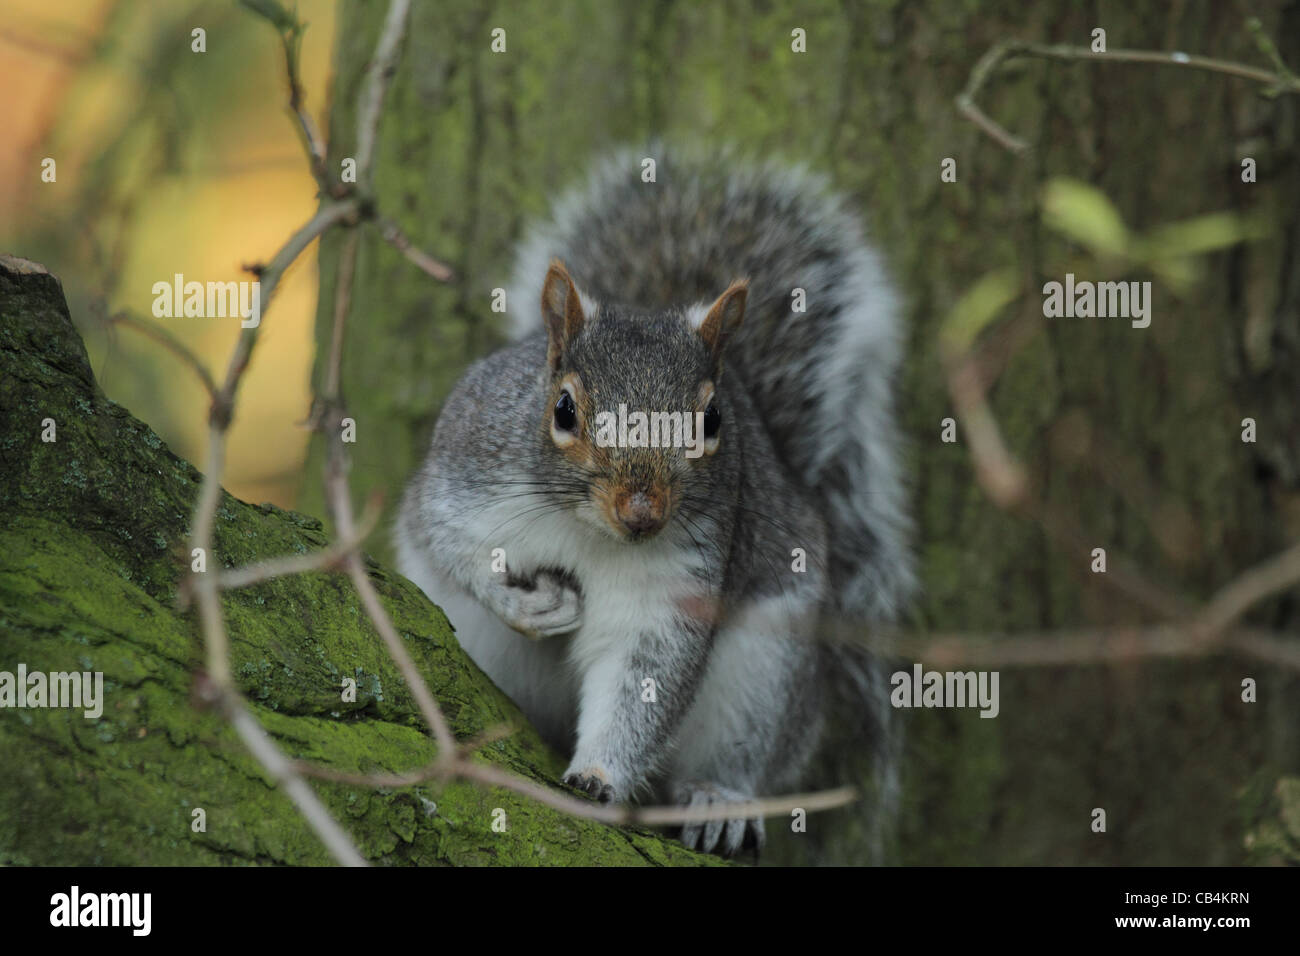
170 161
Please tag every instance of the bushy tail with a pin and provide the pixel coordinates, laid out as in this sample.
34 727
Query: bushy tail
820 345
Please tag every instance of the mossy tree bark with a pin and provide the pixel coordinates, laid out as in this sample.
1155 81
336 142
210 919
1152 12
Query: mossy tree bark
1117 425
93 543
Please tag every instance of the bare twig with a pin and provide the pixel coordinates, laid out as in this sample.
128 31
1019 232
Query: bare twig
1277 81
161 335
996 469
283 772
1277 574
382 67
491 775
604 813
1267 647
328 417
331 213
1193 633
394 236
331 557
1003 479
397 650
205 585
1075 647
342 302
290 29
311 139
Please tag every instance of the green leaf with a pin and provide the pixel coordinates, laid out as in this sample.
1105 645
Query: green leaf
1203 234
1084 214
977 308
275 12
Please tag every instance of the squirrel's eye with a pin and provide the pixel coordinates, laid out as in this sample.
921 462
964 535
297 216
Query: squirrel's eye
566 414
712 421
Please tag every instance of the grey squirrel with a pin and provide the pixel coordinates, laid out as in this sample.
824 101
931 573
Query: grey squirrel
654 612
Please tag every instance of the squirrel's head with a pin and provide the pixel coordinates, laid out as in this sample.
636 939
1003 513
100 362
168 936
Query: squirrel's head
633 411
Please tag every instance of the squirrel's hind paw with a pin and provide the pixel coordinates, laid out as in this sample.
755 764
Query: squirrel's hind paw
724 837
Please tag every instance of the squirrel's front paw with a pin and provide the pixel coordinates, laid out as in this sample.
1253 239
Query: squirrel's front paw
546 605
726 837
592 780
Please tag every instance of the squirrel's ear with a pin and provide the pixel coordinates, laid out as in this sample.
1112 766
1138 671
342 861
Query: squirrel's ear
724 317
561 311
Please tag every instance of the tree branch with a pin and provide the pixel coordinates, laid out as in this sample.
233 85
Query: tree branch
161 335
382 67
1279 80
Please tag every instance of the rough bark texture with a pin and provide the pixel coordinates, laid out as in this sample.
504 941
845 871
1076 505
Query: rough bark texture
93 531
1128 431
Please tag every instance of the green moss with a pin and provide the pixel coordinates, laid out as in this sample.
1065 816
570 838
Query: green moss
1273 836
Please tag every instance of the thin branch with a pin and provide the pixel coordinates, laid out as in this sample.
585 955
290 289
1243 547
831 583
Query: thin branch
1003 479
1277 574
394 236
1075 647
649 816
328 417
1122 574
401 657
326 558
160 334
331 213
67 55
382 67
1277 81
342 302
328 413
979 75
308 133
284 773
1267 647
290 30
996 469
1191 632
205 585
763 807
486 737
587 809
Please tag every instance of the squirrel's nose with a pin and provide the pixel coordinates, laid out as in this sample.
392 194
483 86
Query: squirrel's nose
641 513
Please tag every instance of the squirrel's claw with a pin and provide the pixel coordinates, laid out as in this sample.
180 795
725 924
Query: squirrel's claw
592 782
724 837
